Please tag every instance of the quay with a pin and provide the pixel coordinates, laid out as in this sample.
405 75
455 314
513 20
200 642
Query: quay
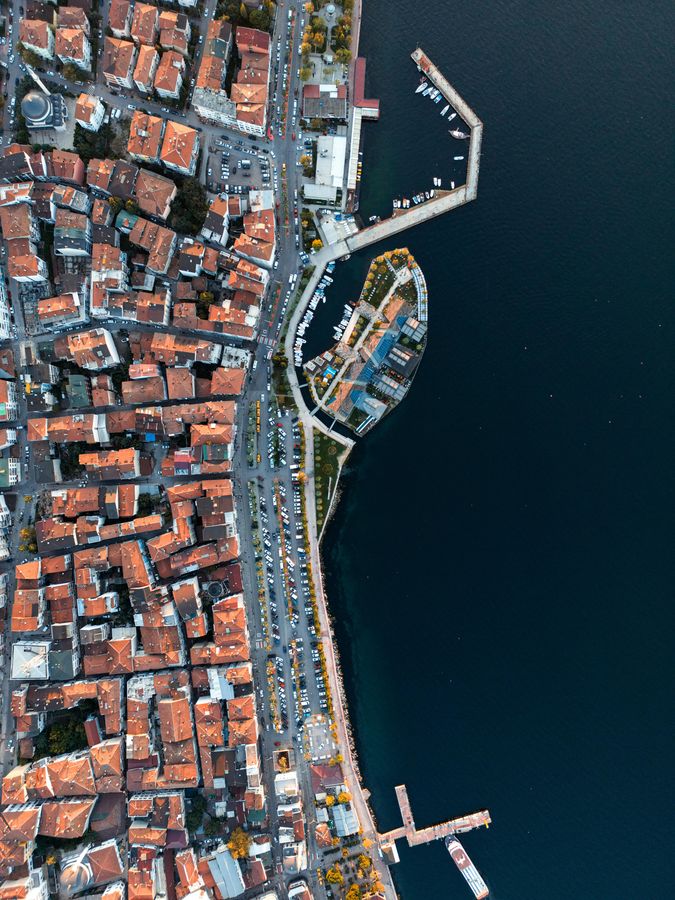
416 837
443 201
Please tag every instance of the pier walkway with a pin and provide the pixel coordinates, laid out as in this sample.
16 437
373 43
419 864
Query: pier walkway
443 201
416 837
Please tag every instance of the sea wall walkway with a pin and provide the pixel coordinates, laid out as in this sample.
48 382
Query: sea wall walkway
443 202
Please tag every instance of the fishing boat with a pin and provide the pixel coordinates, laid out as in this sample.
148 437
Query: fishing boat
450 118
420 87
445 109
458 158
459 135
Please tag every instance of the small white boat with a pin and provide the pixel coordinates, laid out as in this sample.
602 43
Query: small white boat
420 87
432 193
438 98
452 185
427 195
459 135
450 118
427 91
458 158
445 109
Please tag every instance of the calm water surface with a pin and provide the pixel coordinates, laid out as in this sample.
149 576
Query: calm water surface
501 563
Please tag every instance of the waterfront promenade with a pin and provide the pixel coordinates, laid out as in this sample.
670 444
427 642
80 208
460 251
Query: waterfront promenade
443 202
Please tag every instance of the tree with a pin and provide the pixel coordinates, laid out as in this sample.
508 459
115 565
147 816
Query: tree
343 796
194 818
330 800
334 875
305 160
343 56
115 204
189 207
305 73
71 72
212 827
364 862
239 843
131 206
28 56
354 893
317 244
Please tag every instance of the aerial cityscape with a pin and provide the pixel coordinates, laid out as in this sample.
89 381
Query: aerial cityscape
176 187
220 312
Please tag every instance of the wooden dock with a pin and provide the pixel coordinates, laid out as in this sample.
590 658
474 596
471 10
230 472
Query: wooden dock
416 837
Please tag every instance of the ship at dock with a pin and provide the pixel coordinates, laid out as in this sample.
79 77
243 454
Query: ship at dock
471 874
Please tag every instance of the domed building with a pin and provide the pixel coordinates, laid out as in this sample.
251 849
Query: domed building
44 111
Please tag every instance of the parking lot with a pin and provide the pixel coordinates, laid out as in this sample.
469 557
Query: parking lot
236 169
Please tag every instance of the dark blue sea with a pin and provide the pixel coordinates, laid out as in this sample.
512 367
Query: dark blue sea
501 564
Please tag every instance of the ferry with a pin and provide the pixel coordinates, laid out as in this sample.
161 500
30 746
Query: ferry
445 109
420 87
458 158
459 135
450 118
466 867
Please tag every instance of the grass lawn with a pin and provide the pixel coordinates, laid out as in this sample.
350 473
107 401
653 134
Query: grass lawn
326 465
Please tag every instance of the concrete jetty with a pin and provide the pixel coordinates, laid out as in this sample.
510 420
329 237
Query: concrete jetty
416 837
443 201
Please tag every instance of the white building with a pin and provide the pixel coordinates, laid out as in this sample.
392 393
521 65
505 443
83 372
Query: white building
331 150
30 660
5 314
89 112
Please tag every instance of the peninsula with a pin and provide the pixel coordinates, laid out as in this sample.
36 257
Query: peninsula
174 185
380 343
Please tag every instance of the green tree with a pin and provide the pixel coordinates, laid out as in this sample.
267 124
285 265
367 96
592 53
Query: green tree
343 56
194 818
189 207
305 73
115 204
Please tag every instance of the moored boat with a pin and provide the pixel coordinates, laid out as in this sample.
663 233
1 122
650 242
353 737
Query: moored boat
420 87
459 135
445 109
